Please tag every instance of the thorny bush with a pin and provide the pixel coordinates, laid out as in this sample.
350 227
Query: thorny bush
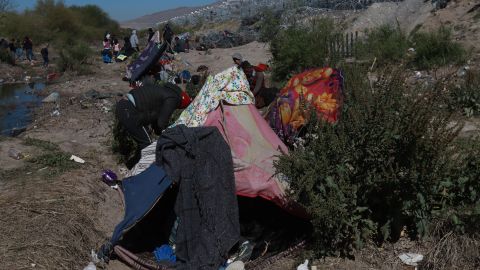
390 162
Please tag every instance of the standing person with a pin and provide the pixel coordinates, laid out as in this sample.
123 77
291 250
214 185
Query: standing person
44 53
127 47
116 47
12 48
134 40
150 105
150 34
28 48
107 51
168 36
19 50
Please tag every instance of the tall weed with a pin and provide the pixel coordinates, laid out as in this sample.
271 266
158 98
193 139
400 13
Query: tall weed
379 168
75 58
435 49
300 47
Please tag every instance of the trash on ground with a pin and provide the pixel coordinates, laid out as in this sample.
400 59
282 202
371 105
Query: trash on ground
77 159
303 266
90 266
15 154
238 265
56 112
165 253
411 259
109 177
53 97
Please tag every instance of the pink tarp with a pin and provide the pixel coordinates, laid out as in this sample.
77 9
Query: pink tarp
254 147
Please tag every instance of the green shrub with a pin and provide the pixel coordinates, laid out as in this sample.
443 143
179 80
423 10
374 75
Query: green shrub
300 47
386 43
436 49
75 58
54 22
459 190
269 25
467 97
378 169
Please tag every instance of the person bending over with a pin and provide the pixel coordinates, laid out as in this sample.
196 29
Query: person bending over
144 107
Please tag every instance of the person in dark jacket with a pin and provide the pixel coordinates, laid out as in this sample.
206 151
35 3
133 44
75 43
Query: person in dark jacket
28 48
151 33
13 49
168 36
44 53
147 106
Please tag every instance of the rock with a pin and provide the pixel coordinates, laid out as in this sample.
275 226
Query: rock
17 131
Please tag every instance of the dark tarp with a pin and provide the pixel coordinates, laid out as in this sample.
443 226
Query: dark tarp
147 59
141 193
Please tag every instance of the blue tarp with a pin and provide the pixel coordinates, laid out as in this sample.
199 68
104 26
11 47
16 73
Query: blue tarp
141 193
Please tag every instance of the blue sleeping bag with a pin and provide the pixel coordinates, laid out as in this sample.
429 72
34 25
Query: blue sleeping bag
141 193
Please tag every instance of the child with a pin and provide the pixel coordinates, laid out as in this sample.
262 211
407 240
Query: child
116 48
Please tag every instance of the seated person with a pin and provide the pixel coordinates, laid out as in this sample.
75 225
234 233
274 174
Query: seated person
263 95
148 106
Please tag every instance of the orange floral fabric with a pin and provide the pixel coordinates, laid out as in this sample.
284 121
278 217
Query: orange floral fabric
318 89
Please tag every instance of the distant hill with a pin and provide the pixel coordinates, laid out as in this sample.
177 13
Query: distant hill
151 19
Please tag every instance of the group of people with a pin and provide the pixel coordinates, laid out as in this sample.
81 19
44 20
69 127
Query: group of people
20 51
151 106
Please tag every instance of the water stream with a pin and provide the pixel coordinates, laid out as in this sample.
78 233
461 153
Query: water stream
16 105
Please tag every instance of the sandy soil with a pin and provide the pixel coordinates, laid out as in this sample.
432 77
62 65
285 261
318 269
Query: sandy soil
221 59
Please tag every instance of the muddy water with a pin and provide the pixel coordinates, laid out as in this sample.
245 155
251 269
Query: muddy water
16 104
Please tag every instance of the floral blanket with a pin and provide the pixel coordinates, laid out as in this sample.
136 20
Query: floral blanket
230 86
318 89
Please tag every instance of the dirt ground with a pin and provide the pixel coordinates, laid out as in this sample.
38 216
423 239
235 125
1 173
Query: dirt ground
52 219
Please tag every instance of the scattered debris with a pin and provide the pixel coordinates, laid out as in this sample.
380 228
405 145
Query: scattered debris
411 259
90 266
463 71
94 94
56 112
303 266
77 159
238 265
53 97
15 154
109 177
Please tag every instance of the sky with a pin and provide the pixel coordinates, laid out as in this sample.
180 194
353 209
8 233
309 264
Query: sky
123 10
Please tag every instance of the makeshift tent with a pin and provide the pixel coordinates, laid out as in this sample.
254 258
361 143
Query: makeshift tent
318 90
226 102
147 59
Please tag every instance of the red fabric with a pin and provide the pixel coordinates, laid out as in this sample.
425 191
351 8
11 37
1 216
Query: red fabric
186 100
261 67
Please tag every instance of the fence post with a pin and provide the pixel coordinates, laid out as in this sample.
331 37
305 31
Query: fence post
356 44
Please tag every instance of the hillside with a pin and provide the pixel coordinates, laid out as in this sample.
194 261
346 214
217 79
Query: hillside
150 20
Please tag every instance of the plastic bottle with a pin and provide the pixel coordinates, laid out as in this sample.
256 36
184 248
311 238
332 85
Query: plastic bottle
90 266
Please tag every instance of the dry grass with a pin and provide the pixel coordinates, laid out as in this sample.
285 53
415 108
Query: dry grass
454 251
48 223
